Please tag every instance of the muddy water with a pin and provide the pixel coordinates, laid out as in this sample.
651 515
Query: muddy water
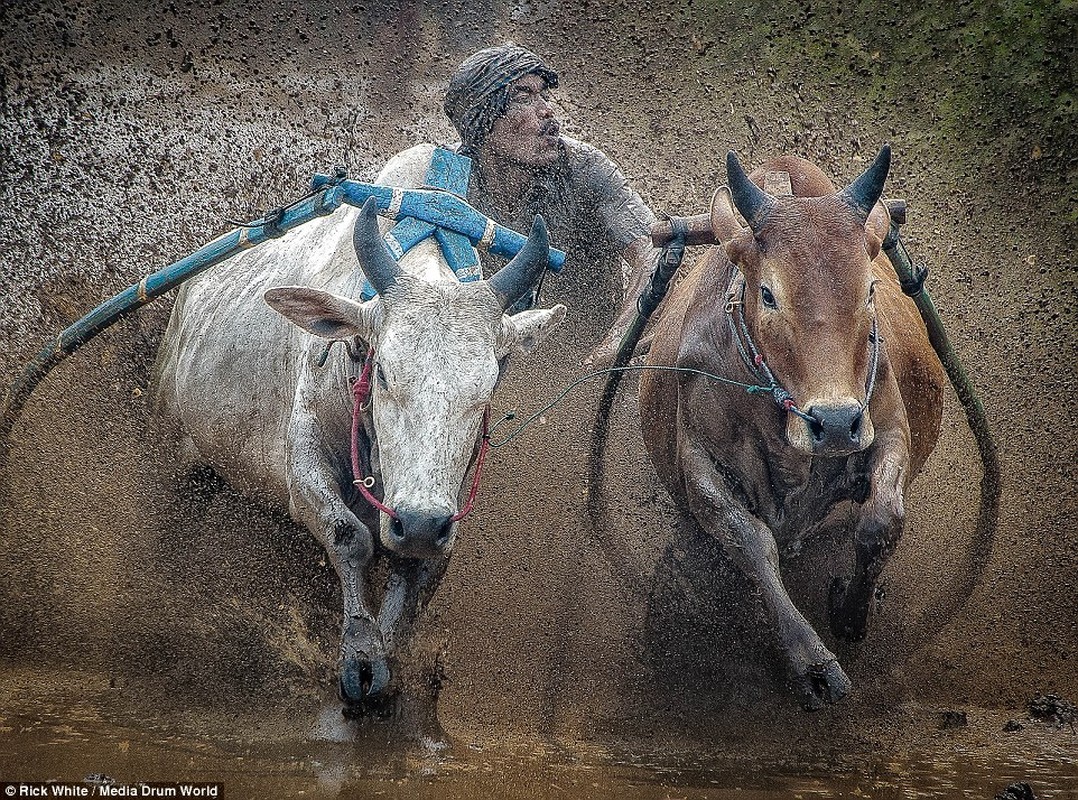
151 632
84 735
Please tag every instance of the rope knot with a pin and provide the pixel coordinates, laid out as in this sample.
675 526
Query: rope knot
361 388
915 283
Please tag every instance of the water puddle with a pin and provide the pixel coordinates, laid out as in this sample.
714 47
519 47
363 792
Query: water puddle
44 736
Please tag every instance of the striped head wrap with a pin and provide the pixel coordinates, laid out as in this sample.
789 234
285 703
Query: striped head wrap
479 90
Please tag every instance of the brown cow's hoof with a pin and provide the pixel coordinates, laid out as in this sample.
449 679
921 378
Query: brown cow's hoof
822 684
848 624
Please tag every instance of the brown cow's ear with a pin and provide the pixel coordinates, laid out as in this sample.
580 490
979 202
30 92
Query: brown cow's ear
742 249
876 227
872 244
725 221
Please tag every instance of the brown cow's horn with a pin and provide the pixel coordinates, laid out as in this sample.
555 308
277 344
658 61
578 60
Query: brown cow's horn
517 278
752 202
375 260
863 193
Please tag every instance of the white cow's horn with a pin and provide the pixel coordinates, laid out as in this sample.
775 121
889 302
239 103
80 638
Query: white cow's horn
374 257
517 278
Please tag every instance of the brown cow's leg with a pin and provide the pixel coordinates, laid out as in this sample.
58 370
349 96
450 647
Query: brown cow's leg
814 671
876 533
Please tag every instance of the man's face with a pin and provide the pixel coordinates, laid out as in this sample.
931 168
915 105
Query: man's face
527 132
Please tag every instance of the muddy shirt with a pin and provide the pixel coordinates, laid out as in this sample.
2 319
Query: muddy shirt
593 215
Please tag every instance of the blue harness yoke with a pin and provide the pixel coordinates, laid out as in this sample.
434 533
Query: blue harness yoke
449 172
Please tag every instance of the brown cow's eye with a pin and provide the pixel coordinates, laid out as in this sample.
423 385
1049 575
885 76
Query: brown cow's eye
768 298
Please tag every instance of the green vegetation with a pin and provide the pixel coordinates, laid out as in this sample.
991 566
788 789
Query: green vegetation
975 70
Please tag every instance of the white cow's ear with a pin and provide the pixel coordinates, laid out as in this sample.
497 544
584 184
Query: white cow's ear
323 314
523 332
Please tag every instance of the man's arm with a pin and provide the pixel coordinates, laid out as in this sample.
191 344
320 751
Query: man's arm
626 221
638 263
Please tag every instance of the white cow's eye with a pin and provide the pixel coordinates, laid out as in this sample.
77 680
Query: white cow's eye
381 376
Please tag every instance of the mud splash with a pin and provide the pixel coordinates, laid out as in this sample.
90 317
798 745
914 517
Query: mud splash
601 666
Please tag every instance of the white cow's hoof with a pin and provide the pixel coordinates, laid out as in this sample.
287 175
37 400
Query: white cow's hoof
364 681
822 684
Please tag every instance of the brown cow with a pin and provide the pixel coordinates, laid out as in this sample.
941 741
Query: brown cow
802 303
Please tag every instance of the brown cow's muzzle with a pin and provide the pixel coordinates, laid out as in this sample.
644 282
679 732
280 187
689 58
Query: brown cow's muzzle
836 428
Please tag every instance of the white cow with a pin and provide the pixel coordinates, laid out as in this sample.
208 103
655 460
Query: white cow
251 399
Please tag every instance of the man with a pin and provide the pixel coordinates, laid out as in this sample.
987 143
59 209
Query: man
499 102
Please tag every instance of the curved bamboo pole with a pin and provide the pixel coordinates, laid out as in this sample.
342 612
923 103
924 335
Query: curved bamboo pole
912 279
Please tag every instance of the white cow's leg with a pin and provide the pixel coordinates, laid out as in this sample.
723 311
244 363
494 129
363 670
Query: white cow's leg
317 504
814 670
411 584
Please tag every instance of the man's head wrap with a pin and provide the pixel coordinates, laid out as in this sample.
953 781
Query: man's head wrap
478 92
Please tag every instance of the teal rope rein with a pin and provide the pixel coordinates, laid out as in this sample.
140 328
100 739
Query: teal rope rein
751 388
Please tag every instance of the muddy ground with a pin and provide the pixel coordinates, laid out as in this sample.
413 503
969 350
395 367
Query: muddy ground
130 136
